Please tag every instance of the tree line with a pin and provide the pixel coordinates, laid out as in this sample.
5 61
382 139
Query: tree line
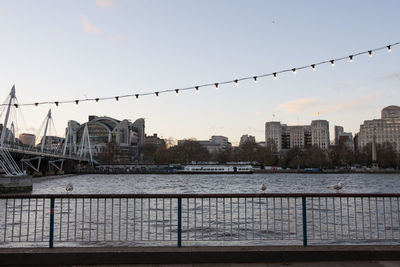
311 157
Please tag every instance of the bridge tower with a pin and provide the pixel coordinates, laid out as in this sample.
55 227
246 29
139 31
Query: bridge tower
11 102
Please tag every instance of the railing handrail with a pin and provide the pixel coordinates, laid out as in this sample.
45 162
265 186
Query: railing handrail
213 195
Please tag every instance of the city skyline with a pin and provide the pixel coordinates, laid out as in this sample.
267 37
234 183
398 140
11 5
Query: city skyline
99 49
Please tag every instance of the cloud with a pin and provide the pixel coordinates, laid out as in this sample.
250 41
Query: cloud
298 105
105 3
88 27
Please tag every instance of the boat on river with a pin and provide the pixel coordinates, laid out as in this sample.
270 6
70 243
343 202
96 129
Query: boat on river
216 169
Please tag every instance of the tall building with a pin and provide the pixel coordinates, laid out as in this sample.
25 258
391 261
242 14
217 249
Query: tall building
338 131
126 135
247 138
285 137
385 129
154 140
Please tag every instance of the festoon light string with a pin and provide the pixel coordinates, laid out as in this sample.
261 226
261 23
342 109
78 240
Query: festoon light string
215 84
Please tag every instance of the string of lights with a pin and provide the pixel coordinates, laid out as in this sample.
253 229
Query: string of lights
255 78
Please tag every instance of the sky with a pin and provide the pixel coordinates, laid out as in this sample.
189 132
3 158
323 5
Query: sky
66 50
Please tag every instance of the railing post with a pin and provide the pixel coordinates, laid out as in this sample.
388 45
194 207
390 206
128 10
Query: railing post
304 205
179 222
51 235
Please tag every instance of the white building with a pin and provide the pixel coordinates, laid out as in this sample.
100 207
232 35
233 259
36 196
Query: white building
286 137
386 129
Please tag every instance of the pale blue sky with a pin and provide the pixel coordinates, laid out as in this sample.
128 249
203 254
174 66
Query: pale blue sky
63 50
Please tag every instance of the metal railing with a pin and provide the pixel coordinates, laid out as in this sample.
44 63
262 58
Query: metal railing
144 219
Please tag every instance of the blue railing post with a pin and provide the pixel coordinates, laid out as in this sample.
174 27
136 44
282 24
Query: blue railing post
304 205
51 236
179 222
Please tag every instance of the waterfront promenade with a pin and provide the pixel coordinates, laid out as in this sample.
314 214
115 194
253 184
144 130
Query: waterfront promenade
205 256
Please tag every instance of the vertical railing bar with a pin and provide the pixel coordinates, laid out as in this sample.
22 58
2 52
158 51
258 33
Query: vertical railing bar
112 219
304 213
376 208
83 217
295 217
320 217
97 220
281 218
348 218
384 216
179 222
187 218
334 217
341 217
36 211
202 216
274 219
126 219
209 218
266 200
148 219
252 215
69 211
238 213
260 215
391 217
29 215
141 219
170 219
51 234
163 219
20 219
44 207
195 218
119 220
370 218
326 214
223 215
76 218
355 216
134 219
105 219
362 214
156 218
288 216
90 219
312 218
13 220
245 218
216 218
5 220
231 220
61 211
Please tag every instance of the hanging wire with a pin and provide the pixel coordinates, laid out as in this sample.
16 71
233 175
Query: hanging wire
214 84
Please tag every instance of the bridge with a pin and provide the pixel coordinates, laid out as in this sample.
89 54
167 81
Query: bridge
31 155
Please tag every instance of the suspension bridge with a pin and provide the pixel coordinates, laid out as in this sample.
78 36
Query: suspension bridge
36 152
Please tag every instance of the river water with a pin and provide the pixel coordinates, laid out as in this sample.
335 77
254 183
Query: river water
228 183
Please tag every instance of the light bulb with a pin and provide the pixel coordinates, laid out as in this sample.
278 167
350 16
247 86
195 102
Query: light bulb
351 58
255 79
236 82
216 86
117 98
97 100
389 48
275 76
36 104
197 89
56 103
177 91
137 97
156 94
294 70
332 63
77 102
370 53
313 67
